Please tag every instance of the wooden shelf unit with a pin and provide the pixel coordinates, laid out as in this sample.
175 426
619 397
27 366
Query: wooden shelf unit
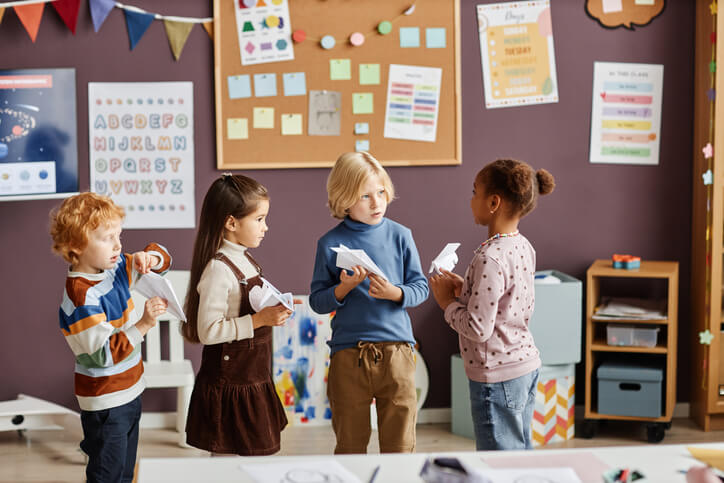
597 348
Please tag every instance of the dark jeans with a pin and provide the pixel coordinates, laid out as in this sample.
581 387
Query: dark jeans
110 439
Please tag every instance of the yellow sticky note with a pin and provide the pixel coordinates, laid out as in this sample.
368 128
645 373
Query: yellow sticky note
237 128
291 124
362 103
340 69
263 118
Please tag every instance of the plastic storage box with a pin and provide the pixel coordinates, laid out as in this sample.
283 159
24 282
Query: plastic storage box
629 390
631 336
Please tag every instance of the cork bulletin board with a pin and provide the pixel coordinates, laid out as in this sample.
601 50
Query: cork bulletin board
246 147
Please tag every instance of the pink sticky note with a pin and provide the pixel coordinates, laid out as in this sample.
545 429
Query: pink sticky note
610 6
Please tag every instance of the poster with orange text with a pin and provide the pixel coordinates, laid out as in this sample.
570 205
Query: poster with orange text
516 50
141 138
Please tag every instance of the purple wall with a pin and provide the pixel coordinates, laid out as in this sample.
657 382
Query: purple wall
595 211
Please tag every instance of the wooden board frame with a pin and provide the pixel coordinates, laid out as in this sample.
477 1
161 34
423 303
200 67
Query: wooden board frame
268 149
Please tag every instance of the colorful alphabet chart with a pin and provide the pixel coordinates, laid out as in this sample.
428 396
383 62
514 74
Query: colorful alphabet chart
264 30
516 48
141 138
626 113
413 101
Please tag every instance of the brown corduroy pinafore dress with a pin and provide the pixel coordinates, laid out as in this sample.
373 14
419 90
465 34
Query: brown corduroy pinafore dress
234 405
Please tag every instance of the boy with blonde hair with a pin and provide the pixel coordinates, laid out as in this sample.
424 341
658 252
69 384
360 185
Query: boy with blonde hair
372 336
102 329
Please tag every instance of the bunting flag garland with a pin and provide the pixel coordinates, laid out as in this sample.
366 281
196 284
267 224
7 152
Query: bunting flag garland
68 11
177 33
137 23
30 15
2 12
208 26
99 10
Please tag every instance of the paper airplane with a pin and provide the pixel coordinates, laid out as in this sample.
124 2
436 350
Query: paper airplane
446 259
154 285
267 296
348 258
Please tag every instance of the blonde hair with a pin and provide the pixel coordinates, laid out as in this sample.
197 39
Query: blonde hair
75 218
348 175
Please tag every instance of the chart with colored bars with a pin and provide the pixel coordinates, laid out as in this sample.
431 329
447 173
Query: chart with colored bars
265 31
626 113
413 96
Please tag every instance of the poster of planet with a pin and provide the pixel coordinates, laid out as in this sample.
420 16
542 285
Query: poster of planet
38 134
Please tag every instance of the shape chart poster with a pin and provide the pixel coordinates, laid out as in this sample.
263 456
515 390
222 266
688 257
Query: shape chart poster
516 49
38 134
265 31
626 113
413 102
141 138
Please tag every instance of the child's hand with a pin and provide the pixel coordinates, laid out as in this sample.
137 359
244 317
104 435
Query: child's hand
153 307
382 289
443 289
271 316
456 279
143 261
348 282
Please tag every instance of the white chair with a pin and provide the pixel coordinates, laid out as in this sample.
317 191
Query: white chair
176 371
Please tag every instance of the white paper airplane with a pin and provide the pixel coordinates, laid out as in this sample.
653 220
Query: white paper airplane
267 296
446 259
348 258
154 285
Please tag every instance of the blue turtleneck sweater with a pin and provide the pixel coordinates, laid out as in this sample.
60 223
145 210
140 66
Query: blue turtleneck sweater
361 317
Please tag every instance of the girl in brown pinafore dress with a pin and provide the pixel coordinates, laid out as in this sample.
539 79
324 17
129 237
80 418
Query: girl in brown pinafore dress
234 406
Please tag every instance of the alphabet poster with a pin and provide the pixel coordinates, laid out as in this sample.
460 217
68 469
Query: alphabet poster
626 113
141 138
516 48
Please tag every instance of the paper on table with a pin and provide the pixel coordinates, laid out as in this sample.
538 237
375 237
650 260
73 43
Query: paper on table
711 457
513 475
314 470
154 285
446 259
267 295
348 258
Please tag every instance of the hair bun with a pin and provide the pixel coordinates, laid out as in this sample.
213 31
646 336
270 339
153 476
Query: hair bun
546 182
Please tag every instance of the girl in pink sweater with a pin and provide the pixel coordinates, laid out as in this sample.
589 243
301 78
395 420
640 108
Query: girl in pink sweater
490 307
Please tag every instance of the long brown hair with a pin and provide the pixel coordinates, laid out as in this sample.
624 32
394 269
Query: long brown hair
230 195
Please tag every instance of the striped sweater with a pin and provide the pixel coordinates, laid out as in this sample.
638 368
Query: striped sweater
98 321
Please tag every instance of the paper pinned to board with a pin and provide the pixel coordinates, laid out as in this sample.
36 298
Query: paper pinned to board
152 284
348 258
268 295
446 259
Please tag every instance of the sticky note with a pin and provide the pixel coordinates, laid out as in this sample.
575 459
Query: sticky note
410 36
435 38
265 85
295 84
237 128
610 6
644 2
361 128
362 145
239 86
291 124
369 74
263 118
362 103
340 69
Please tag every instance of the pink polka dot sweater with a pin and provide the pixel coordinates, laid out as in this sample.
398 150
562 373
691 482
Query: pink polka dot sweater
492 313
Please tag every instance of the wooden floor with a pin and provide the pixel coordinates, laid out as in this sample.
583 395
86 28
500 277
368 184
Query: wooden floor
53 456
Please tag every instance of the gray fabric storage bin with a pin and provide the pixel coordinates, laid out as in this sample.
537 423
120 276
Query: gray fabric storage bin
629 390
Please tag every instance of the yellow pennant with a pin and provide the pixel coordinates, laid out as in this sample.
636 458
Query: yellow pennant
177 33
2 12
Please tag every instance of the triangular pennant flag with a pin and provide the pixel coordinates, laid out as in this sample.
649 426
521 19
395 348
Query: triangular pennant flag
99 10
137 23
177 33
208 26
2 12
30 16
68 11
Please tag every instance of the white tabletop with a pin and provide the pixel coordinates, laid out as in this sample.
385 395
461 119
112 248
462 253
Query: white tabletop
659 463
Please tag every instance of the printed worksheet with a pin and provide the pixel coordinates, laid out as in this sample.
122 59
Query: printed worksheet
413 98
265 31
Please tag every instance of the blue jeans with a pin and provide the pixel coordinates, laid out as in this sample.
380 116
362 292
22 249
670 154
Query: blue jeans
110 439
503 412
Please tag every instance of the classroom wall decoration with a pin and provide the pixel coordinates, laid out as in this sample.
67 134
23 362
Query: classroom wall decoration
624 13
626 113
264 31
141 138
382 77
301 363
38 138
516 49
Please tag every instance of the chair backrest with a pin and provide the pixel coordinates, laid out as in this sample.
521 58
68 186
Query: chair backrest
179 281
